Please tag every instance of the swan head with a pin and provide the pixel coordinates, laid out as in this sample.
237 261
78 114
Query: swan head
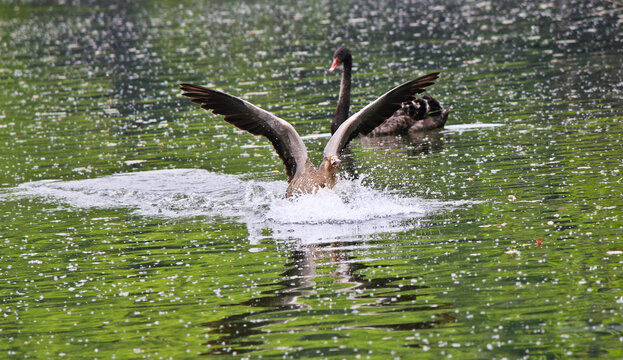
341 56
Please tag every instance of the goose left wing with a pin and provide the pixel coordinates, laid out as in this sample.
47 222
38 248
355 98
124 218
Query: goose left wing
246 116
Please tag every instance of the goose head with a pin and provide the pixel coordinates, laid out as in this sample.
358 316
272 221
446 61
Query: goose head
330 167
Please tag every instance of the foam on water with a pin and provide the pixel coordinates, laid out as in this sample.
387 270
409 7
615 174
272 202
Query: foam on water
346 211
347 202
168 193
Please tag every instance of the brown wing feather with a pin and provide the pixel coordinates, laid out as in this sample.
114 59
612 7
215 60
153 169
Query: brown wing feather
246 116
375 113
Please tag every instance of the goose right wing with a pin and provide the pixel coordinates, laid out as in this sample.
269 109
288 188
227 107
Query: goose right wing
246 116
375 113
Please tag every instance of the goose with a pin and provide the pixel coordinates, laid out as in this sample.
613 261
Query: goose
303 176
414 115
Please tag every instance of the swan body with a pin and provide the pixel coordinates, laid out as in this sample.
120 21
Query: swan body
414 115
303 176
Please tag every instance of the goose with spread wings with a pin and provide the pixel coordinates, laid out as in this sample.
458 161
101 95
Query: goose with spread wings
303 176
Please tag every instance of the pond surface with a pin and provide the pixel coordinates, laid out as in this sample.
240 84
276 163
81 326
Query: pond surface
136 225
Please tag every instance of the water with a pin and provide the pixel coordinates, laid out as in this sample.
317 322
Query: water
135 225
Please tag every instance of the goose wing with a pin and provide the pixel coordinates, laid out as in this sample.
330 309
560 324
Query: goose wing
246 116
375 113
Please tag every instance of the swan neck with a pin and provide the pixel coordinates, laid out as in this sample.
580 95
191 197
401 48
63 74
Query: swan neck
343 102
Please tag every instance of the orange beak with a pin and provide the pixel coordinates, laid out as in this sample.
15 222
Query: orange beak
336 62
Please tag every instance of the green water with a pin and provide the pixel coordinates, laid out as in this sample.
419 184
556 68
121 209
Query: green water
431 252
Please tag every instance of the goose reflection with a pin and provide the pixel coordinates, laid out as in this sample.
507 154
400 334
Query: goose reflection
411 145
305 282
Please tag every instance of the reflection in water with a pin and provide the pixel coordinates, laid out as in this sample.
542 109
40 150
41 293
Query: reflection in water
412 144
237 334
399 146
297 281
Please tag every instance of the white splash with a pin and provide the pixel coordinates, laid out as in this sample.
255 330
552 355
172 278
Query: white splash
349 210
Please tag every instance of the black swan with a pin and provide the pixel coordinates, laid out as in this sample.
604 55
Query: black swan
414 115
303 177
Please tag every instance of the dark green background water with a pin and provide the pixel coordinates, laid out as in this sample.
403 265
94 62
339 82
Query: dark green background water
431 253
